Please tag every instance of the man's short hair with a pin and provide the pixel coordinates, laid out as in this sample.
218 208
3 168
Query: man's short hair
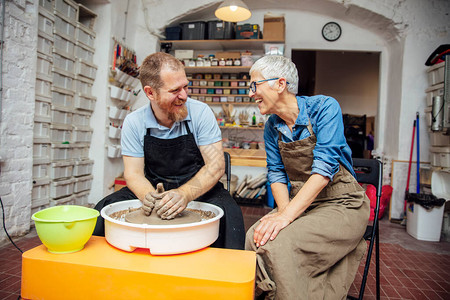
150 70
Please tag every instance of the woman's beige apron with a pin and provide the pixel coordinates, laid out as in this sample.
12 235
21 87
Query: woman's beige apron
318 254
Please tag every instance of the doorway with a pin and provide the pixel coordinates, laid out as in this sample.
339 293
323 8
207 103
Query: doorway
352 78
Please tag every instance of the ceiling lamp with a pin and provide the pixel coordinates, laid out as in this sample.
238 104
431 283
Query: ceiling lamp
233 11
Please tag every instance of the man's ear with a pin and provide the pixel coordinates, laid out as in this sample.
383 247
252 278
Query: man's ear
150 92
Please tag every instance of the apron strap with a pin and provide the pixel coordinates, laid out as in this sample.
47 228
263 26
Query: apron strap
185 125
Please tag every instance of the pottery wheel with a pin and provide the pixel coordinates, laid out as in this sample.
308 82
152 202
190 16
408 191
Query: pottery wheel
185 217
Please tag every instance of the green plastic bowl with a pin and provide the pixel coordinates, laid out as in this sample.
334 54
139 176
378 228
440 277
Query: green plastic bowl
65 228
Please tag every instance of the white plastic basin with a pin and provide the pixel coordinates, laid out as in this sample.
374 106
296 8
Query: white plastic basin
161 239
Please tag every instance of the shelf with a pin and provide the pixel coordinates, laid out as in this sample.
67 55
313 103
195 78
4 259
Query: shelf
247 157
246 44
229 69
220 95
241 128
218 87
233 103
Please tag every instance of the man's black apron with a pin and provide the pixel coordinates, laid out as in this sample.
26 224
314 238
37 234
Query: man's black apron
173 162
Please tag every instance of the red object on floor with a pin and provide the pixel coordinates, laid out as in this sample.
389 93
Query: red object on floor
371 192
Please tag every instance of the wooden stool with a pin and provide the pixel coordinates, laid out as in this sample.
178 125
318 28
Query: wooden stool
100 271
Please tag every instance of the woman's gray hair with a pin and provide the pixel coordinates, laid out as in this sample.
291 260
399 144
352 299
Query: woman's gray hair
272 66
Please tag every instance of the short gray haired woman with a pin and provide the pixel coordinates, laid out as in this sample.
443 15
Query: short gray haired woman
311 245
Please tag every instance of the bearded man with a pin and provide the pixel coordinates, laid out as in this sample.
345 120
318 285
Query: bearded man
175 140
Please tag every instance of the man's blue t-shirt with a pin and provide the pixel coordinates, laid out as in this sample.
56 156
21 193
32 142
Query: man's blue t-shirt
200 119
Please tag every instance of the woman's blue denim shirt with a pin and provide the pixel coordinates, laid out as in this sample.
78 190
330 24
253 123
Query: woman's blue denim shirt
331 148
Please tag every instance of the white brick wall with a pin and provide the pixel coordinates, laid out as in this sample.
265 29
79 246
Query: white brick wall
17 114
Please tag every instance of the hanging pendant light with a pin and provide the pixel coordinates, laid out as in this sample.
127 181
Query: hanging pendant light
233 11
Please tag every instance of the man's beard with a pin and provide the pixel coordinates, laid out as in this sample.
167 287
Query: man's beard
178 116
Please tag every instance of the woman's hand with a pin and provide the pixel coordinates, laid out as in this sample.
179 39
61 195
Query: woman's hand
269 227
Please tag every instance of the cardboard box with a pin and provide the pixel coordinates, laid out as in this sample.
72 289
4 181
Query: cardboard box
228 54
184 54
274 28
119 183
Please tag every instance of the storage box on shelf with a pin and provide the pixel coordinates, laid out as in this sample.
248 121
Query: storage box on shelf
83 167
42 110
81 198
82 183
248 31
45 43
60 133
439 139
61 169
85 35
81 134
63 61
62 97
61 188
67 200
63 79
64 26
41 130
84 102
44 65
43 85
40 193
85 69
46 21
41 169
61 115
81 118
83 85
67 8
274 28
84 52
47 4
440 156
60 151
436 74
433 91
64 44
80 151
41 150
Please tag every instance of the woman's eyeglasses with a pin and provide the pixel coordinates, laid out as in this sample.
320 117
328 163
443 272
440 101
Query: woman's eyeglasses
253 84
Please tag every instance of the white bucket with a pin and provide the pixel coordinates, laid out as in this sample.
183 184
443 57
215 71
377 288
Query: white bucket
423 224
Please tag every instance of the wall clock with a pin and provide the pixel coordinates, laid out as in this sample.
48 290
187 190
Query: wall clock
331 31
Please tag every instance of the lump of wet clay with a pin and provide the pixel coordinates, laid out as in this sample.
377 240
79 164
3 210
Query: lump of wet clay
185 217
139 216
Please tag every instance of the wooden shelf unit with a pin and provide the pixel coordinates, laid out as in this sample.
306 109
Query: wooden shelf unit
247 157
245 44
239 157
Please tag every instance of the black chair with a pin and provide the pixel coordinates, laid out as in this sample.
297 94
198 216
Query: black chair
370 171
228 168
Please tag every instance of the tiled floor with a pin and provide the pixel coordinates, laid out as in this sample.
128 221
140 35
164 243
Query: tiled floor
410 269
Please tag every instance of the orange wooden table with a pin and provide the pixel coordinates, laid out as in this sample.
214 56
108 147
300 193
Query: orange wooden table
100 271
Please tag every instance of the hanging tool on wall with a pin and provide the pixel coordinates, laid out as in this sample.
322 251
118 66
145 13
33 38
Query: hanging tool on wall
403 216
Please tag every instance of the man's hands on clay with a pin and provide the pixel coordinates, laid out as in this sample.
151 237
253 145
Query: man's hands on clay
148 204
169 204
